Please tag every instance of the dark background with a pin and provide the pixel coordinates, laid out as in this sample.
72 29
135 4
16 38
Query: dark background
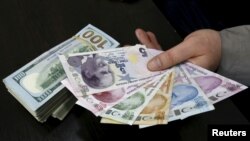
31 27
189 15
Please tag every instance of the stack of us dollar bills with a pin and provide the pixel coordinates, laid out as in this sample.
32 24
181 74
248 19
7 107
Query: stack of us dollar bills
37 85
117 85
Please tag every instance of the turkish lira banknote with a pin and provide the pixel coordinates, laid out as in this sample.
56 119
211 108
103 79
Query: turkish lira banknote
215 86
100 102
187 97
106 70
156 111
128 110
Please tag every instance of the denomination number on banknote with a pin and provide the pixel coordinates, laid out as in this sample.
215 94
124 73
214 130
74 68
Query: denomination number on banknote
143 52
95 39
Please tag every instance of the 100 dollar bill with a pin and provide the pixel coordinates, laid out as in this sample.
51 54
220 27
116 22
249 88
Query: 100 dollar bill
38 81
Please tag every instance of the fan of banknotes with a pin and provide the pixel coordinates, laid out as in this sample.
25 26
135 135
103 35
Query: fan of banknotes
114 83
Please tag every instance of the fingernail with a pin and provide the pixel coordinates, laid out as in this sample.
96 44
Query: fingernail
138 33
154 64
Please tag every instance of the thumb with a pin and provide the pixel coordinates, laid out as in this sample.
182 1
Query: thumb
171 57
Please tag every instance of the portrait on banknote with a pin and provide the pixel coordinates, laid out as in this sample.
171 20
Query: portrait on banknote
110 96
183 93
208 83
96 73
132 102
156 104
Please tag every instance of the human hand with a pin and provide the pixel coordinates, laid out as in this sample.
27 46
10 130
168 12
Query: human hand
202 47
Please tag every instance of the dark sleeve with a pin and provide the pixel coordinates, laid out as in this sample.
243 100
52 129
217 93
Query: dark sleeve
235 62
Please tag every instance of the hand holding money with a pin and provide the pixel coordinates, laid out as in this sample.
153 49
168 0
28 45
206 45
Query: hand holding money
202 47
186 95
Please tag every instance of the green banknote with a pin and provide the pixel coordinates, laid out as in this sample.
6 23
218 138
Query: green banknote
39 80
